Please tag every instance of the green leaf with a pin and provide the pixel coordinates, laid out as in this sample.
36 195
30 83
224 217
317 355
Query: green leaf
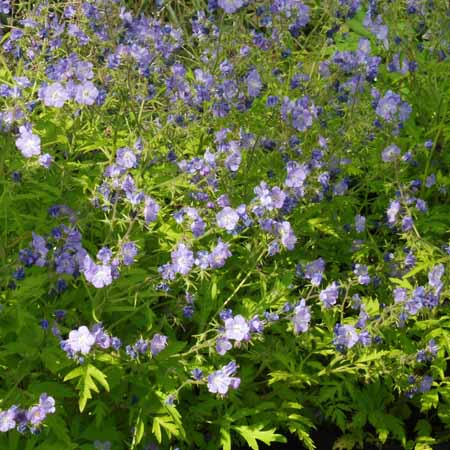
75 373
139 430
225 438
86 384
253 433
99 376
156 430
169 426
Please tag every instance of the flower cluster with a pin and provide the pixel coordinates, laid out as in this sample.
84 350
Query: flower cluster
82 341
27 419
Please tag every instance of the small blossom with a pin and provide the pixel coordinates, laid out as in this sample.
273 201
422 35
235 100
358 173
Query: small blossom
28 143
223 345
390 153
80 340
221 380
230 6
237 328
227 218
330 295
360 223
314 271
54 95
302 317
158 343
345 336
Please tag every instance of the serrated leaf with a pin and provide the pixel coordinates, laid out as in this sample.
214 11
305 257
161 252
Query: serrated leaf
98 375
252 434
86 383
75 373
156 430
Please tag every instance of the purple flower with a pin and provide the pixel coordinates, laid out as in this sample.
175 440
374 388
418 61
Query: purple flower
296 175
116 343
362 272
407 223
40 250
230 6
36 415
47 403
128 252
45 160
54 94
432 347
345 336
28 143
390 105
98 275
223 345
360 223
392 211
197 374
302 317
158 344
330 295
233 161
256 325
314 271
151 209
126 158
365 338
430 181
270 199
227 218
104 255
202 259
416 302
288 238
400 295
425 384
7 421
102 339
86 93
220 253
80 340
237 328
390 153
254 83
182 259
221 380
434 277
4 8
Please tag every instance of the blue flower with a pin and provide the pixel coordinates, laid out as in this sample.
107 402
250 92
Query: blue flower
80 341
329 295
99 275
345 336
126 158
28 143
158 343
314 271
302 317
221 380
54 94
254 83
227 218
390 153
85 93
182 259
237 328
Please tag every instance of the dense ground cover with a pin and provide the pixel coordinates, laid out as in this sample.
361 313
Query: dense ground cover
223 223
